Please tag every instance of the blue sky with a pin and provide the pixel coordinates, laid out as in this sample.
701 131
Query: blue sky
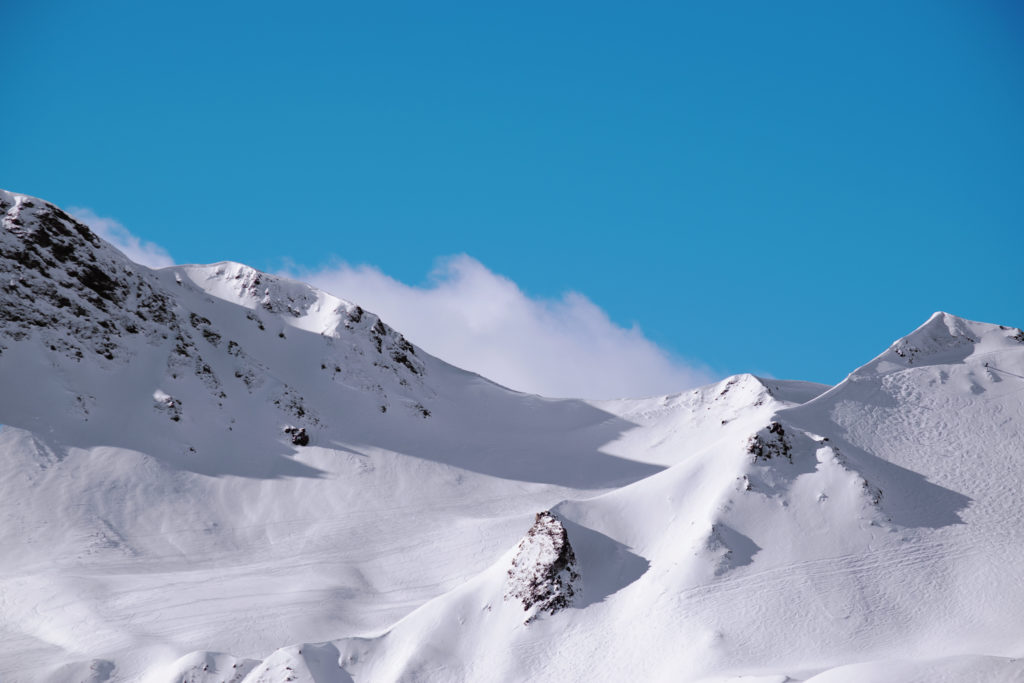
782 188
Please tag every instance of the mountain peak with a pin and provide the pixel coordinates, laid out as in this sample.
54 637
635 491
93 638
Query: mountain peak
942 339
64 282
211 339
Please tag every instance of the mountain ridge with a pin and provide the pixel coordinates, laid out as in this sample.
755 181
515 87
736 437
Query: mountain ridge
162 523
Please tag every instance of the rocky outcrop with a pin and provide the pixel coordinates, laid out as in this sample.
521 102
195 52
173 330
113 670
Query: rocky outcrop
298 434
62 281
770 443
543 574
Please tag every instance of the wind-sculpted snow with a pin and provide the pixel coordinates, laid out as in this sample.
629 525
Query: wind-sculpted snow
214 474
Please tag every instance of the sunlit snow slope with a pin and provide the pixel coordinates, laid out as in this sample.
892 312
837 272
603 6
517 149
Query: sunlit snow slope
214 474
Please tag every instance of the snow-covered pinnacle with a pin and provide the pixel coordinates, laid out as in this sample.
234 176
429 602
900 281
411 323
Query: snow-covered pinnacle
943 338
543 571
942 333
300 305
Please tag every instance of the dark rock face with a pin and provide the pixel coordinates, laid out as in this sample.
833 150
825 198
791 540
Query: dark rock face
543 572
59 275
770 443
298 434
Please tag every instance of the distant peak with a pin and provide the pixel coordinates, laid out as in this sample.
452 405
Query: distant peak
940 334
942 339
954 324
752 389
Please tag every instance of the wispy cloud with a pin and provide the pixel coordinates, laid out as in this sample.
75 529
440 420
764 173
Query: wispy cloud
481 321
138 250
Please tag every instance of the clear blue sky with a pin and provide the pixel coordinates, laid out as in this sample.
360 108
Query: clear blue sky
773 187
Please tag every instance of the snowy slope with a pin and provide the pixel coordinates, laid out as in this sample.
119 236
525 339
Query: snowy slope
163 519
876 523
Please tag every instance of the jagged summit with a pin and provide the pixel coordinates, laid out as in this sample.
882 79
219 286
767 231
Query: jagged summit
296 304
63 276
192 347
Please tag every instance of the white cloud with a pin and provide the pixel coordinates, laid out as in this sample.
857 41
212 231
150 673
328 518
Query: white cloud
481 321
146 253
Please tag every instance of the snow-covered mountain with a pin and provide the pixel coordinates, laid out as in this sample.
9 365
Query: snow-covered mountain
210 473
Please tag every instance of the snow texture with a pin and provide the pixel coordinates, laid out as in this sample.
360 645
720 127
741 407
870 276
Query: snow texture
214 474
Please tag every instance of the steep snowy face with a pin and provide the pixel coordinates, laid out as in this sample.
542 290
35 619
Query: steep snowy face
944 403
794 534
